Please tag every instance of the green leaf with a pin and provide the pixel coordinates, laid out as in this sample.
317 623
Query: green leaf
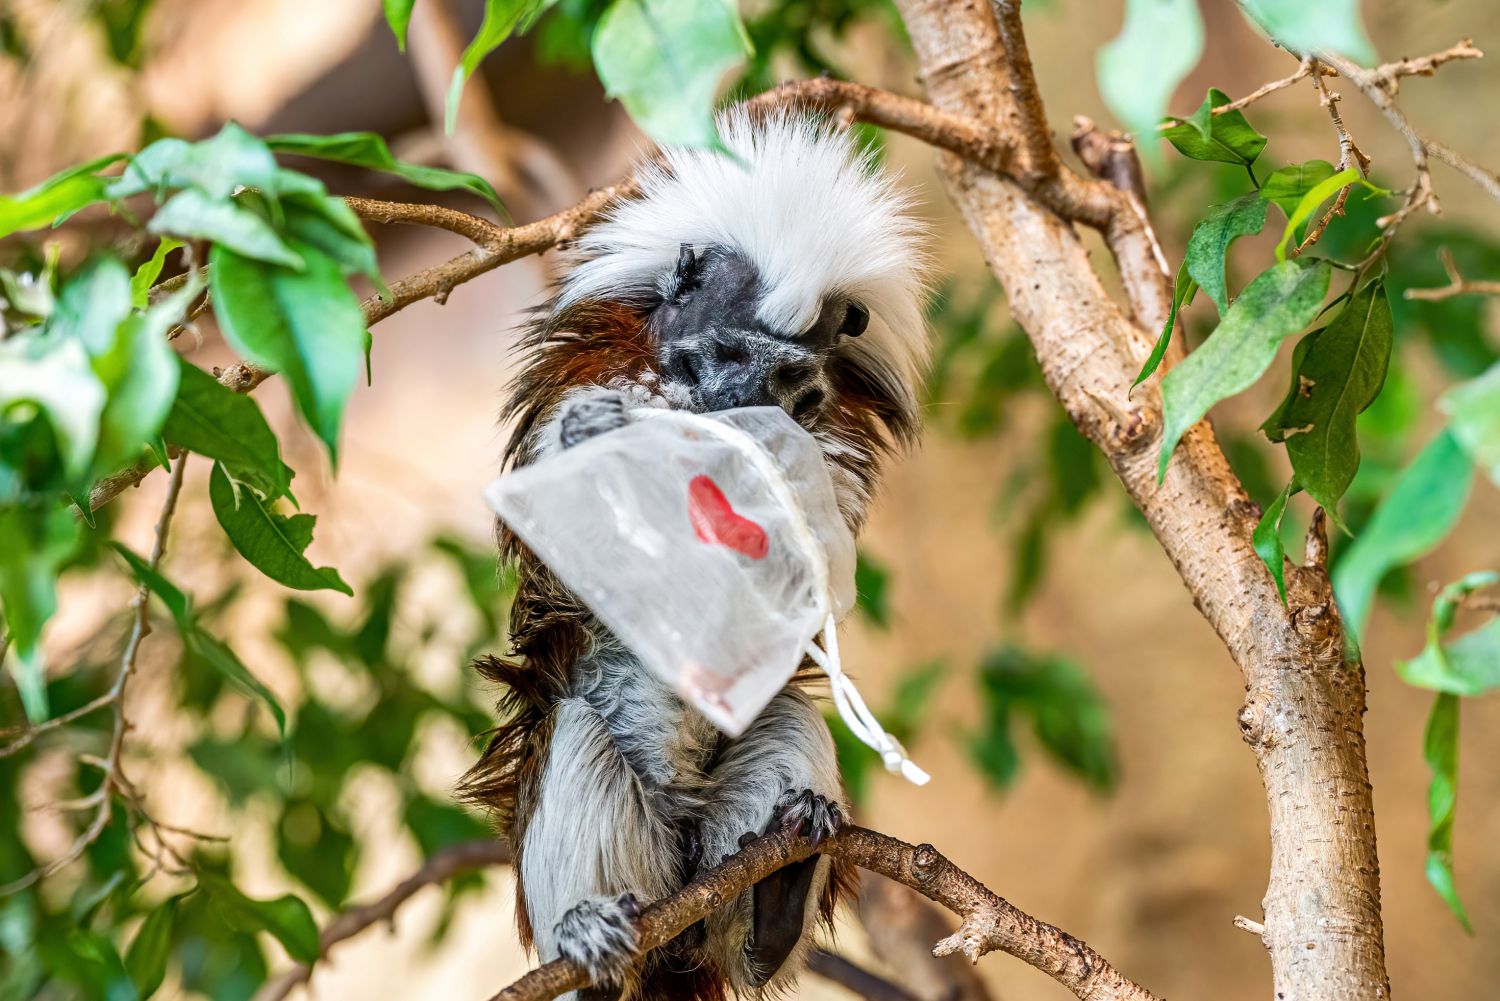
140 372
1274 426
307 325
1415 516
215 167
146 275
1267 539
1473 410
1440 750
1227 138
398 16
1311 28
1140 69
1316 195
1469 665
1277 304
287 918
273 543
367 149
1068 717
207 647
55 198
146 959
1209 245
1287 186
92 304
333 228
871 581
501 17
1183 290
1338 377
213 420
191 214
34 545
664 59
52 375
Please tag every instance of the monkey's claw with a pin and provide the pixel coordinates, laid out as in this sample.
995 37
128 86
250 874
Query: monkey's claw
802 811
591 415
599 934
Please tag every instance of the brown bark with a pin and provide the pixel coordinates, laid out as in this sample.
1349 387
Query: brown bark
1304 705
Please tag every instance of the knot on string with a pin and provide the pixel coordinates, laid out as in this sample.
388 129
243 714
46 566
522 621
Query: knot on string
855 714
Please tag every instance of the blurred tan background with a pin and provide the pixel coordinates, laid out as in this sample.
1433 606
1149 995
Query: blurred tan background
1151 875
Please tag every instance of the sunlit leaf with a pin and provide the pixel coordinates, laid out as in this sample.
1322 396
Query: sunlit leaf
398 16
307 325
146 275
271 542
664 59
55 198
215 167
367 149
1469 665
1316 196
92 304
191 214
501 18
52 375
1473 410
1287 186
1311 28
1141 68
1208 247
1416 515
1339 376
1277 304
1227 137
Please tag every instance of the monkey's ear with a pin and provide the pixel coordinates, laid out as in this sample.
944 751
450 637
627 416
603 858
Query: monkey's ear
856 319
685 277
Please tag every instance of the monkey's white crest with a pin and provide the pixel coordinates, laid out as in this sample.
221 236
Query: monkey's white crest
801 202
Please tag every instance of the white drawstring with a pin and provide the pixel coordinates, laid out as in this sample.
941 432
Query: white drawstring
856 715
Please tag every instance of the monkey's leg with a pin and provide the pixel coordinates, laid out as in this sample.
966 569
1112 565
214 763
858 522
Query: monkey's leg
781 774
591 846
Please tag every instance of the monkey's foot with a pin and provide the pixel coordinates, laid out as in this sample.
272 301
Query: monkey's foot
802 811
591 415
599 934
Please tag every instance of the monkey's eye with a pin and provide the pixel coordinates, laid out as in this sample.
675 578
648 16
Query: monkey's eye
856 319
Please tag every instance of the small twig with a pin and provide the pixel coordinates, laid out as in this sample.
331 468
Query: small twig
990 923
1349 155
444 864
113 780
491 236
1457 283
1245 924
1039 157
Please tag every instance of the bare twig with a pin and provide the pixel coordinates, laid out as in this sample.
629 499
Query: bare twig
1457 283
1039 158
486 234
466 856
1349 155
113 779
990 923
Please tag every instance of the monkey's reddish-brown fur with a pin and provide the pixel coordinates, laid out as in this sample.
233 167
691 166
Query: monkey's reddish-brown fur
596 344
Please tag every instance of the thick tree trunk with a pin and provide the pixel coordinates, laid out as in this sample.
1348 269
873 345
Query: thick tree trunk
1304 705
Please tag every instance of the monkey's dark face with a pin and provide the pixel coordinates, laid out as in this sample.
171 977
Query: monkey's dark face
710 341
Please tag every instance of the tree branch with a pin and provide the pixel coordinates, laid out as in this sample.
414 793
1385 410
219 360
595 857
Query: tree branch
854 978
1322 905
445 864
1457 285
990 923
899 922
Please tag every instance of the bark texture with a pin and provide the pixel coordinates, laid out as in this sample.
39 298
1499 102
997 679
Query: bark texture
1304 703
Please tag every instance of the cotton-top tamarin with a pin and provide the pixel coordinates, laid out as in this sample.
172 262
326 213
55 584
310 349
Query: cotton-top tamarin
787 274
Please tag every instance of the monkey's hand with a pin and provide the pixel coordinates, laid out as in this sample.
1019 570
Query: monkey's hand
599 934
802 811
589 414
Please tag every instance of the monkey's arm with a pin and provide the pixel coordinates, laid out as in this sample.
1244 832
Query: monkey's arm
592 842
781 773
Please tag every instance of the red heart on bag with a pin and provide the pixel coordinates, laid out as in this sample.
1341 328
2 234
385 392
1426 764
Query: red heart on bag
715 521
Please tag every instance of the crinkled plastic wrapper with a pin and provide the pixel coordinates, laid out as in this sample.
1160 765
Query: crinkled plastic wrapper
711 545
